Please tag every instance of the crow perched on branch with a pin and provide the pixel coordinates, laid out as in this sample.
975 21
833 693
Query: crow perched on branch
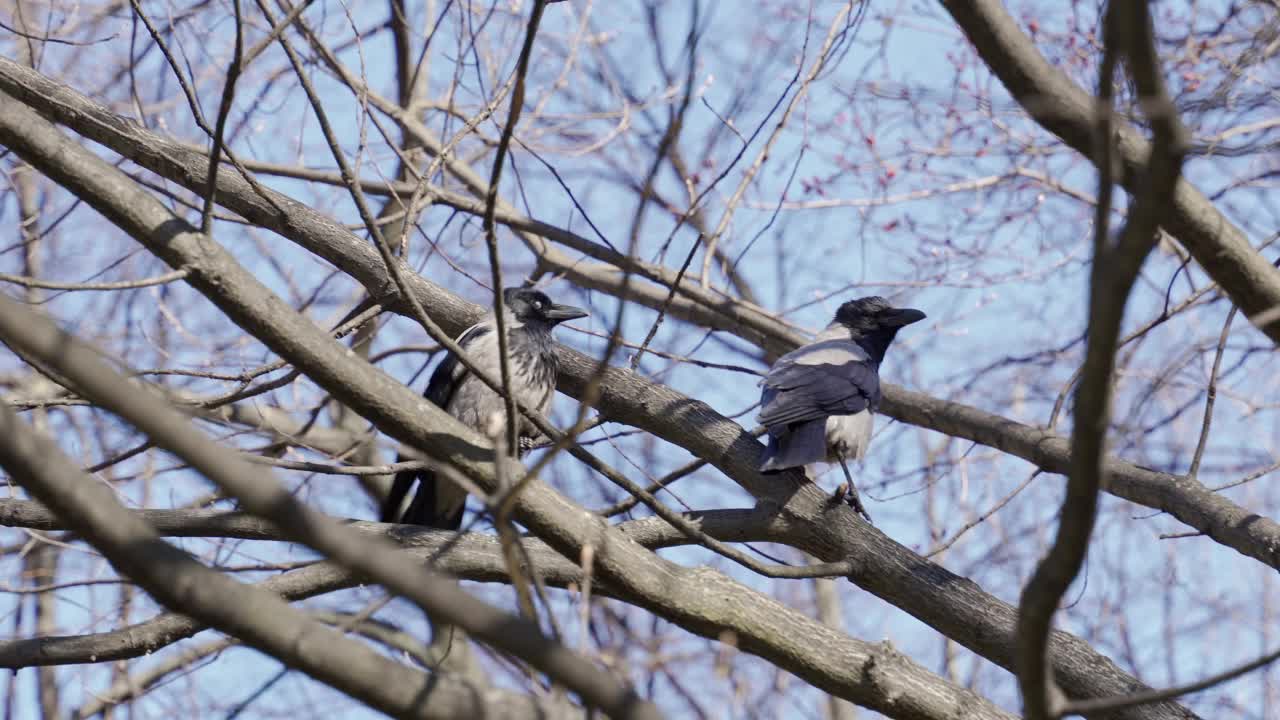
530 318
819 400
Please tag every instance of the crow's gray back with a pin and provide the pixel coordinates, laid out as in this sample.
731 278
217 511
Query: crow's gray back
816 381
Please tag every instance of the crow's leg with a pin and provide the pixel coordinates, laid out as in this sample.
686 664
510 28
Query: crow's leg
532 442
848 492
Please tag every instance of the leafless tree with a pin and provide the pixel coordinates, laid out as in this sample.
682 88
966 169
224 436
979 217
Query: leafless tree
238 234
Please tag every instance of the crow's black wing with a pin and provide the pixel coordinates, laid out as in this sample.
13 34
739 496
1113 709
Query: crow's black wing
446 378
832 377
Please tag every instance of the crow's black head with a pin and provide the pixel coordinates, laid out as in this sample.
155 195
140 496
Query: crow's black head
873 322
530 306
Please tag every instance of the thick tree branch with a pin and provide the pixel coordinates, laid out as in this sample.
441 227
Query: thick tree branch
260 619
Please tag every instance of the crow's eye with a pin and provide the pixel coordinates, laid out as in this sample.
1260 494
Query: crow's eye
537 304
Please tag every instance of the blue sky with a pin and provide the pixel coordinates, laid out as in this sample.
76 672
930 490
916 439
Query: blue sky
1001 273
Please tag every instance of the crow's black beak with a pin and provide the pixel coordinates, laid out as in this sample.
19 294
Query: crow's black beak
560 313
901 317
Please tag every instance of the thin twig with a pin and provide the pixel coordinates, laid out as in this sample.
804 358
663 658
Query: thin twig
1098 706
1260 472
1211 395
982 518
587 561
224 110
507 534
56 41
31 282
669 138
657 485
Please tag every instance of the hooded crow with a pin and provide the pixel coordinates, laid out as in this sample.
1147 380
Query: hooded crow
530 318
819 400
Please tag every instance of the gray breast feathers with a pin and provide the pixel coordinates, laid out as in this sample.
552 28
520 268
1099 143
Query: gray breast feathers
533 371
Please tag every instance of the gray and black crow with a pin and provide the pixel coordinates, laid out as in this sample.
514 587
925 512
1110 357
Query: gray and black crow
819 400
530 317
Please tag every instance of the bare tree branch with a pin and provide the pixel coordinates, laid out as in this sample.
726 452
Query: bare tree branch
135 685
258 618
490 231
1089 708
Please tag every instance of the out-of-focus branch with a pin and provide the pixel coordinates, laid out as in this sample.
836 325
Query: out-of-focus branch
826 600
260 619
1127 34
471 556
1066 110
40 565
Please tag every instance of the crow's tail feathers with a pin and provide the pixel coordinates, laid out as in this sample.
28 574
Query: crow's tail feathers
796 446
436 504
